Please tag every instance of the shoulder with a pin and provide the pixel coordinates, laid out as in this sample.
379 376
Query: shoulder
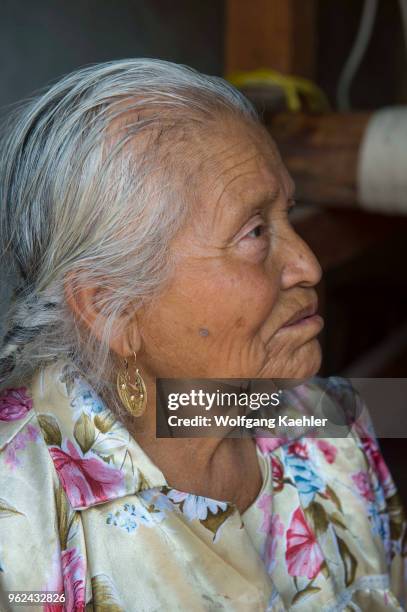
15 412
342 393
351 407
20 431
27 473
359 431
336 398
28 484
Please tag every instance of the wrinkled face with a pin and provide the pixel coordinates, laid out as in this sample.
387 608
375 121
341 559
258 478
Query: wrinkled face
241 301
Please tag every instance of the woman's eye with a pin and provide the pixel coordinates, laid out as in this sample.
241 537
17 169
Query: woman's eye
256 232
291 207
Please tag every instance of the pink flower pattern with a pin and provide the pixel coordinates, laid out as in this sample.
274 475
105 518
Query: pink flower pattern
329 451
299 449
86 479
303 554
19 443
362 482
14 404
378 464
73 568
273 527
275 534
268 445
278 474
264 504
68 577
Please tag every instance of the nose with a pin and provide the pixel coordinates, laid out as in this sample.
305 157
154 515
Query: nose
300 267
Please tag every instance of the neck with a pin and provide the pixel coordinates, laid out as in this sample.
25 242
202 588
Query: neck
211 467
181 450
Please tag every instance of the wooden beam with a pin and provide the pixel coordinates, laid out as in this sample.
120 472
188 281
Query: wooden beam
277 34
321 153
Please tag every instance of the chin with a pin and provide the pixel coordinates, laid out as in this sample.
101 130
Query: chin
302 363
311 360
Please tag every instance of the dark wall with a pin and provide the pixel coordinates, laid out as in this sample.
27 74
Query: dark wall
43 39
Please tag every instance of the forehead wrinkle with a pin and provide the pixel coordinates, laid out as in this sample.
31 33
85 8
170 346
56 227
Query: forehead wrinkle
219 206
270 193
213 157
210 157
225 171
270 163
228 151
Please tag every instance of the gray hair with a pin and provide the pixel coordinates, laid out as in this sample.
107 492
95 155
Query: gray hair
75 198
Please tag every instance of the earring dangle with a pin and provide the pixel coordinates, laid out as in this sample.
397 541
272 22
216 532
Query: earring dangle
133 394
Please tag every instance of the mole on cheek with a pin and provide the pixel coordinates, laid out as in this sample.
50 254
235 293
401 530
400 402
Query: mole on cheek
203 332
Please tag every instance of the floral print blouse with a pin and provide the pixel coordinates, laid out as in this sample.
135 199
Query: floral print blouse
85 512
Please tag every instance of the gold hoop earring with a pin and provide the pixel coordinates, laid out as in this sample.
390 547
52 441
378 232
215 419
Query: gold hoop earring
133 395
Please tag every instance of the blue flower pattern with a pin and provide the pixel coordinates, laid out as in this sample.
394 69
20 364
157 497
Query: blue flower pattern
303 473
86 400
131 516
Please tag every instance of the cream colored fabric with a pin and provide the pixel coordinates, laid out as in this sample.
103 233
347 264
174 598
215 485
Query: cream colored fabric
382 165
84 511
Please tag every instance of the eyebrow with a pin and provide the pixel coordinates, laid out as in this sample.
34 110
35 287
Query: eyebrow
259 202
269 197
266 198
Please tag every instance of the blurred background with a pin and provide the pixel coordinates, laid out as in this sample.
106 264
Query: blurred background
330 79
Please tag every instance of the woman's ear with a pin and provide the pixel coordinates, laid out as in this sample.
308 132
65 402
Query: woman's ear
84 303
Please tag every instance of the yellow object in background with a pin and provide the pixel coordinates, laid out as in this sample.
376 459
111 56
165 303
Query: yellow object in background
294 88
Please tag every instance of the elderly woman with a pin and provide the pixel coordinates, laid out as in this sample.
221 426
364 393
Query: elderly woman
146 210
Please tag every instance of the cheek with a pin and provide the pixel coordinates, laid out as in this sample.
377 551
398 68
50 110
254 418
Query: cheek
257 300
240 297
217 303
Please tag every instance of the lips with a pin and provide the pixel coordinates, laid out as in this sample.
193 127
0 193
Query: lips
303 313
